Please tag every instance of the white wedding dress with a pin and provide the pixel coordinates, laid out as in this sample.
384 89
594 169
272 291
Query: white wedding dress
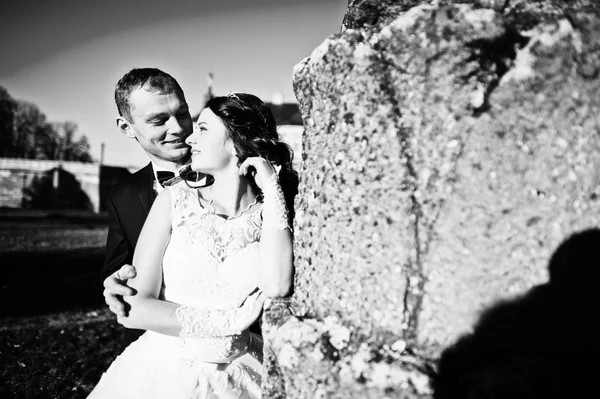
210 264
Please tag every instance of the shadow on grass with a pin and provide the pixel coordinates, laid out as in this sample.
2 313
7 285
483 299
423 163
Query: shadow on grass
56 334
61 355
38 283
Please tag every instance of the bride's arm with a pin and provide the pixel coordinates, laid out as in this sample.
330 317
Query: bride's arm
276 255
276 266
150 313
147 311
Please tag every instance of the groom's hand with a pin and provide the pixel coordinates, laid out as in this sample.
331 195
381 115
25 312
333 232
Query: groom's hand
115 287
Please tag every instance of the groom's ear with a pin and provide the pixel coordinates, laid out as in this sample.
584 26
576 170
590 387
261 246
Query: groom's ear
125 127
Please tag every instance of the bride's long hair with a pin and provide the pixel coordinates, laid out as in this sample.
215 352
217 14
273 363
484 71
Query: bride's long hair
253 130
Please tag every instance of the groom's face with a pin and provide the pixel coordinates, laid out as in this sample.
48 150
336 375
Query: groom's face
161 123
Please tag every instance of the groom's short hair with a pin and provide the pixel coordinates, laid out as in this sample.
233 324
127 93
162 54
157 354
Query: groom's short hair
154 79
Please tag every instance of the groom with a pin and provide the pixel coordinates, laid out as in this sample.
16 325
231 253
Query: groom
153 111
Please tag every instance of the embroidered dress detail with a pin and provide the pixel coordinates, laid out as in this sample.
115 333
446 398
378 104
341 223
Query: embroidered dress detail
202 322
209 268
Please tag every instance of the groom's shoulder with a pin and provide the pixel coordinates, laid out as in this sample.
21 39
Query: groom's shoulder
133 183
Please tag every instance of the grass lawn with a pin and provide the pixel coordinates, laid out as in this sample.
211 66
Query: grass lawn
60 355
56 335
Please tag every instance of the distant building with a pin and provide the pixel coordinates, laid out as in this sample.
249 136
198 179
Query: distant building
289 122
57 185
51 185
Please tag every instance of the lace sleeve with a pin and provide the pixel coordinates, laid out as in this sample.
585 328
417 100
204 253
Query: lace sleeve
275 213
204 323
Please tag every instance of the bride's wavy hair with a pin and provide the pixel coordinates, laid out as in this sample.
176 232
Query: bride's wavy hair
253 130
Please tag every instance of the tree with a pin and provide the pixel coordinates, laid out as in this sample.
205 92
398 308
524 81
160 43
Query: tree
7 114
31 128
25 133
65 147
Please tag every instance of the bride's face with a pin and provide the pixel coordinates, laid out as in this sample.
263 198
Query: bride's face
212 149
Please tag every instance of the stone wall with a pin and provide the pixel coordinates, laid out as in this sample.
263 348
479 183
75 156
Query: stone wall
41 184
449 148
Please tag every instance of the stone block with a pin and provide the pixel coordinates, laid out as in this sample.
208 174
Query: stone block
448 149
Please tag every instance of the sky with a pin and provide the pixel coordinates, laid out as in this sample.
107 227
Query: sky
66 56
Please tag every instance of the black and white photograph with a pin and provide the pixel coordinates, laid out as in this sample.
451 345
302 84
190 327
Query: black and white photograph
279 199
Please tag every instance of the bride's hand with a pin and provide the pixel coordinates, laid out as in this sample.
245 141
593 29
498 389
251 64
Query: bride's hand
251 310
261 169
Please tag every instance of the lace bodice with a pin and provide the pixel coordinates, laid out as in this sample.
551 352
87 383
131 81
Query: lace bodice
211 264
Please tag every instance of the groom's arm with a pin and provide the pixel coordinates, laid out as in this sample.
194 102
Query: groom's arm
116 270
119 250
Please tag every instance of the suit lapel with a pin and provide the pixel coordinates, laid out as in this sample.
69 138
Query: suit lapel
140 202
145 190
146 197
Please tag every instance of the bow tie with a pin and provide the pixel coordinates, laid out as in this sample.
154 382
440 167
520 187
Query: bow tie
166 178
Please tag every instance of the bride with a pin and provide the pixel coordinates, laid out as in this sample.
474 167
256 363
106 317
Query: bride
207 258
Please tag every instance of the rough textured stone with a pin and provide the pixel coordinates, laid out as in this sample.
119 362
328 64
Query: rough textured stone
311 358
449 148
527 178
355 213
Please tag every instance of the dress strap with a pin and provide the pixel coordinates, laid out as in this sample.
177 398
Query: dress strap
184 203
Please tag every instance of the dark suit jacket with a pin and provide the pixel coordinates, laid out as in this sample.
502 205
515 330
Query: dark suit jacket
129 203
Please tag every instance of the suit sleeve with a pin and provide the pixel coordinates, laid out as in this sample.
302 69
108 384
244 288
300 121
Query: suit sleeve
118 249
